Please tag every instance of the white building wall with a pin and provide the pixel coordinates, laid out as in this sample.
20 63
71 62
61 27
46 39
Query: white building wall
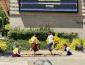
15 19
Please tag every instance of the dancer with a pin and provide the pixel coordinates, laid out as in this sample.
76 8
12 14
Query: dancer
67 49
34 44
50 42
16 52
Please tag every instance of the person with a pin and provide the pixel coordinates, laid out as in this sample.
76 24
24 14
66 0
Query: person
79 48
67 49
16 52
35 44
50 42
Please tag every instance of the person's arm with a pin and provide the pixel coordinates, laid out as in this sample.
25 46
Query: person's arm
18 51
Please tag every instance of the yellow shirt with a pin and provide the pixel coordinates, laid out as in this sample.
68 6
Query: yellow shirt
34 39
15 51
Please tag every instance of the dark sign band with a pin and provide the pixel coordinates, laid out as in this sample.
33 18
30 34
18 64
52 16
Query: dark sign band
49 5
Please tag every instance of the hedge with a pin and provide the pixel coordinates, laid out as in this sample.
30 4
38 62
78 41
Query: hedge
27 35
41 35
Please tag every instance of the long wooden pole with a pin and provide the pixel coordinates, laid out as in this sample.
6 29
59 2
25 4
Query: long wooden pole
3 4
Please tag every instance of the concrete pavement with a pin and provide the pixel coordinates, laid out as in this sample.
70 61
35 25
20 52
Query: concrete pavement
78 58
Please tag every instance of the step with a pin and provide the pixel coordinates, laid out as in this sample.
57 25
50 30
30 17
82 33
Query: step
83 14
83 7
14 12
14 4
13 0
83 10
14 9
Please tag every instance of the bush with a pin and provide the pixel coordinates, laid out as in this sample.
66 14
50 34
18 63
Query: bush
83 43
22 43
21 37
43 45
41 35
69 36
26 34
75 42
61 42
2 19
3 46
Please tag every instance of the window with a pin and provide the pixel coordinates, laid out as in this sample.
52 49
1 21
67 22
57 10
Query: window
49 5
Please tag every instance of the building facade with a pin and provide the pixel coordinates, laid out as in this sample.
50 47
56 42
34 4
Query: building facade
59 21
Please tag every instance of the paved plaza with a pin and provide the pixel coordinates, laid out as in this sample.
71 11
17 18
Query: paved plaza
78 58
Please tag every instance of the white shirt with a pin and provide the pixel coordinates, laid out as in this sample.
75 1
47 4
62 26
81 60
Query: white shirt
68 49
50 38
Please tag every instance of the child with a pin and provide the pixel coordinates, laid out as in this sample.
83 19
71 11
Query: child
16 52
50 42
35 44
67 49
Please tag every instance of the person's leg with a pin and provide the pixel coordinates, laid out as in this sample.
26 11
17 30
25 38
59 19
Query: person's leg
14 55
38 47
34 52
35 48
69 53
18 55
50 47
51 52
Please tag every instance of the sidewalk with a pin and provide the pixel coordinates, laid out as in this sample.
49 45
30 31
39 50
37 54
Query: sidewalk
78 58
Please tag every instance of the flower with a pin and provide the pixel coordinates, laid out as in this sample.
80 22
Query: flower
3 45
56 39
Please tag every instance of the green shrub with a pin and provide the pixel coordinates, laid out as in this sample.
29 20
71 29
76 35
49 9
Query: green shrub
3 46
83 42
61 42
43 45
3 18
22 43
25 45
41 35
21 37
69 36
25 35
75 42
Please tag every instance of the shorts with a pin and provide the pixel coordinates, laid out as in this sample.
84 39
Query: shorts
16 55
49 46
69 53
35 47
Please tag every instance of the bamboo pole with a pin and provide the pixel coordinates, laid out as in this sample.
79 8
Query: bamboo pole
4 6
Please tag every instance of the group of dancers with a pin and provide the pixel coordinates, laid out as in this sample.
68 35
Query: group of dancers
35 46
